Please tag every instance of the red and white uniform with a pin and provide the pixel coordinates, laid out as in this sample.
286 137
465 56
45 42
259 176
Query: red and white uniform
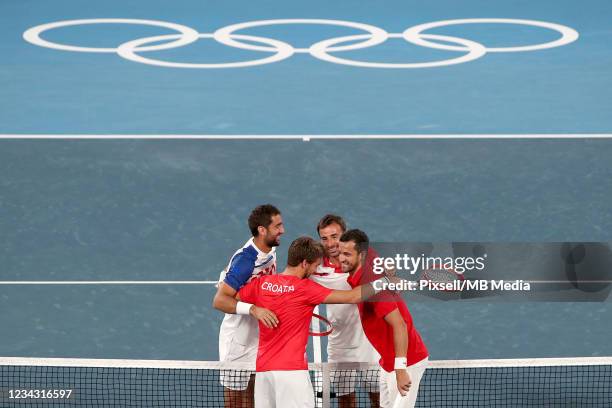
347 342
282 378
380 334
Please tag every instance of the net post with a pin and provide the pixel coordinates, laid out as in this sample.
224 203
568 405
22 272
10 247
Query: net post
316 340
317 359
325 377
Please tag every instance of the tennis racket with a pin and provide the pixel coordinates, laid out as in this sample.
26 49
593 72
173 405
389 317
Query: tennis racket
328 326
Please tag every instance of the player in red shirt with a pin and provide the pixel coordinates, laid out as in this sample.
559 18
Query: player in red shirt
282 378
347 342
388 325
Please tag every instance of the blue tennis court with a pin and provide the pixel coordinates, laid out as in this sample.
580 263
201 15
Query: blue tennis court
555 90
175 209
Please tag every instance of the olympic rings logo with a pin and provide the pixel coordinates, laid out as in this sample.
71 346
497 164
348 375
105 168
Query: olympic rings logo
325 50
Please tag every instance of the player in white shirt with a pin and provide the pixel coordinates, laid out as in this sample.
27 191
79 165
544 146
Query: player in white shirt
239 333
347 342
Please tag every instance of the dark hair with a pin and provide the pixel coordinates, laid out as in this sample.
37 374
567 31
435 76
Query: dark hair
357 236
304 248
330 219
261 216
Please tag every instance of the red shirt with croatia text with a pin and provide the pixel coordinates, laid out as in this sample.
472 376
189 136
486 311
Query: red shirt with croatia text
379 332
293 300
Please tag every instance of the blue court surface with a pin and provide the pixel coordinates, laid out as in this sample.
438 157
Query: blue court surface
557 90
175 209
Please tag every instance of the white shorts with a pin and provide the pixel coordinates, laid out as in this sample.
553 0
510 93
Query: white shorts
238 342
283 389
389 394
344 382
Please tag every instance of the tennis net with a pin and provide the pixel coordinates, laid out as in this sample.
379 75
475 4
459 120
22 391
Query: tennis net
565 382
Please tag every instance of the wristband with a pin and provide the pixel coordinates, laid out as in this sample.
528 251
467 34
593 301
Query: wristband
401 363
243 308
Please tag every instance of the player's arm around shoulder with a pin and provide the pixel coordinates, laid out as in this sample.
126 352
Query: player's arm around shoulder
227 300
358 293
344 296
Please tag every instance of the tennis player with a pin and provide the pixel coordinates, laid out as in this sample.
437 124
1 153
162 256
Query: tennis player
238 336
282 378
388 325
347 342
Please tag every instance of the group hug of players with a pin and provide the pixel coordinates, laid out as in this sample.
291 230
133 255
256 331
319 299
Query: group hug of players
268 315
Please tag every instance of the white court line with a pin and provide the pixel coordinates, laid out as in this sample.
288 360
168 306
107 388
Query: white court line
108 282
306 138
